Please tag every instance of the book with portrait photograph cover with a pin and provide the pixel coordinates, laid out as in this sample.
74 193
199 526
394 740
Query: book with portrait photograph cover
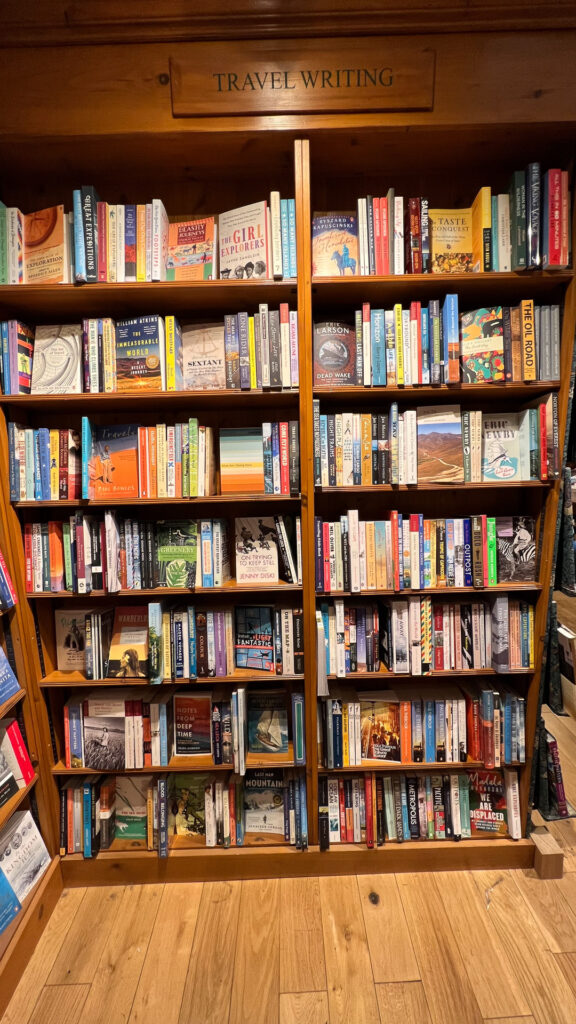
243 242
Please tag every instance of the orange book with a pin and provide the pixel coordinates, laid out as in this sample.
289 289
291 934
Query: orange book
406 731
141 242
113 465
395 549
44 246
56 550
143 461
241 461
152 463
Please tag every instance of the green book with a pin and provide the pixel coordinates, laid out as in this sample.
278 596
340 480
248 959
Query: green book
492 551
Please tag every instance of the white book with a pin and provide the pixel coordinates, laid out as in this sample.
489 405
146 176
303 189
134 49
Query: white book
340 639
287 620
347 449
415 634
513 803
170 462
112 235
414 346
338 444
504 236
159 240
411 446
217 552
241 730
15 245
321 650
406 343
400 637
455 805
414 558
333 810
362 238
401 450
120 247
362 554
500 447
201 463
37 557
354 546
275 234
294 358
476 445
209 814
299 549
23 853
398 234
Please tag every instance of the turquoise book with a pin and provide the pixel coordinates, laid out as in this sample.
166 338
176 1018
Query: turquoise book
9 902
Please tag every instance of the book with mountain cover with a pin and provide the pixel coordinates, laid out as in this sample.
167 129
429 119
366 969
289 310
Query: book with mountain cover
264 801
57 363
267 722
440 453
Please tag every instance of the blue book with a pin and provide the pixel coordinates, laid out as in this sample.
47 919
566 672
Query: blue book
440 715
292 236
87 486
79 241
429 732
326 624
9 902
425 345
495 264
9 685
178 647
75 732
451 339
44 452
467 527
163 732
192 642
6 388
285 237
130 242
378 347
29 449
295 789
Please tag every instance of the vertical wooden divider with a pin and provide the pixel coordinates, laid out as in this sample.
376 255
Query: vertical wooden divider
304 270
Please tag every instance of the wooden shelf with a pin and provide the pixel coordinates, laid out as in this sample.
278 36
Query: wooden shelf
384 674
241 675
501 588
11 703
210 499
190 763
165 400
8 808
414 767
233 588
494 392
415 488
40 301
473 288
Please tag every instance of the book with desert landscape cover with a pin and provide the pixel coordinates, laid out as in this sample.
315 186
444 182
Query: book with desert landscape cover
440 453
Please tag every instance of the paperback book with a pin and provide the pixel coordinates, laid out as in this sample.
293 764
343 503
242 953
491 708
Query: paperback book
113 462
23 855
243 242
380 729
141 354
177 553
203 357
440 454
451 241
488 811
131 806
482 345
192 723
264 801
186 815
57 363
191 250
267 722
334 245
515 548
128 656
241 460
45 246
500 446
334 354
256 547
70 639
254 643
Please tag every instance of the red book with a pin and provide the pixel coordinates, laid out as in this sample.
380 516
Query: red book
19 750
406 731
342 803
554 176
102 222
416 317
56 554
385 229
326 555
8 579
564 220
284 459
369 814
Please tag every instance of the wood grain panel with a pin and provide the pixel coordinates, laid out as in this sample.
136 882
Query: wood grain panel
567 963
304 1008
537 971
82 948
121 962
491 976
403 1003
351 994
60 1004
209 981
302 967
161 985
391 951
255 995
556 920
449 993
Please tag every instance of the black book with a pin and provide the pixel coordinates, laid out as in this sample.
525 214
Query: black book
380 811
323 819
412 801
298 627
447 801
294 458
90 225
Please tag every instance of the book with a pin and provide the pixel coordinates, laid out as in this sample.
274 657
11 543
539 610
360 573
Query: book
192 723
243 242
487 803
9 902
241 460
45 246
57 364
192 250
500 446
380 727
112 462
23 855
482 345
186 814
254 638
141 354
108 746
515 548
177 553
440 454
14 756
267 722
256 547
9 685
70 630
131 806
451 241
128 656
334 244
264 801
203 357
334 354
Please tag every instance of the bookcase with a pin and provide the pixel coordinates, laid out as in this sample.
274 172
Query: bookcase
129 144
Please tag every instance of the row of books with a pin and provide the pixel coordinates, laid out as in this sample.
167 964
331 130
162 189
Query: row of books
179 642
457 724
117 728
181 809
526 227
23 860
16 770
129 461
436 444
408 551
377 808
420 635
108 242
111 553
152 353
435 344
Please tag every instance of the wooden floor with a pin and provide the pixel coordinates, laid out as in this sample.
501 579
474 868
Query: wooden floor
454 948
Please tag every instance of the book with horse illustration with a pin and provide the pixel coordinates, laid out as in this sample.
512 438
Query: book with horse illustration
334 245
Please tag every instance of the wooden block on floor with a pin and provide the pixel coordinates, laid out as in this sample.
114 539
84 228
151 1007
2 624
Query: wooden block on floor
549 859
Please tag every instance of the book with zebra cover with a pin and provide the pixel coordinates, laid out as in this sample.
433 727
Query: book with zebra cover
515 548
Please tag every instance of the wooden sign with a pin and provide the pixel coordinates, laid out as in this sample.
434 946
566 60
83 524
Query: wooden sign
301 76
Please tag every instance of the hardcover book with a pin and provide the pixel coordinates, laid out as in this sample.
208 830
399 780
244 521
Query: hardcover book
267 722
380 729
113 462
334 245
440 453
243 242
57 365
264 801
254 642
131 806
70 639
241 460
451 241
128 656
45 246
203 357
192 723
515 548
334 354
482 345
256 547
23 855
191 250
488 803
177 553
500 446
186 794
141 354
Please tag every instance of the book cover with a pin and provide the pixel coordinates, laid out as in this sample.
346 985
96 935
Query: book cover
500 446
45 248
192 723
264 801
70 632
334 354
256 546
9 684
113 462
186 796
131 806
254 640
482 345
334 245
9 903
380 729
440 453
267 722
203 357
57 364
243 242
487 803
128 657
191 250
451 241
23 855
141 354
515 548
177 553
241 460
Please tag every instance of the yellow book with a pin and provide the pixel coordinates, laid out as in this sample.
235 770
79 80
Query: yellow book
399 343
345 734
54 465
528 339
170 353
109 354
380 549
433 554
161 459
111 242
166 660
482 231
370 556
252 354
141 242
366 449
451 241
